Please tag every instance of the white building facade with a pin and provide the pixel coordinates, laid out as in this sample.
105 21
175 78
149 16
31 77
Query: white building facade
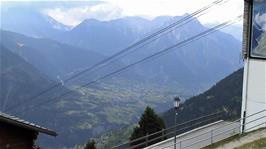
254 52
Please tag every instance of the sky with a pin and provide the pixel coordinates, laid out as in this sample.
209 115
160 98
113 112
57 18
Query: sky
113 9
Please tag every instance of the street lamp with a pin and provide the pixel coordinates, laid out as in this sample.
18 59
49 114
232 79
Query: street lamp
176 106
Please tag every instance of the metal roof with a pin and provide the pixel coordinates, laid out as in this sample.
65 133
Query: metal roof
6 118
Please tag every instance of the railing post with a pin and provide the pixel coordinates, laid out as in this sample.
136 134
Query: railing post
240 127
175 129
243 122
146 140
163 133
211 136
180 145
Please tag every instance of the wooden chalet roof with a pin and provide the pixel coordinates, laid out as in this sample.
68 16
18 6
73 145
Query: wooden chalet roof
12 120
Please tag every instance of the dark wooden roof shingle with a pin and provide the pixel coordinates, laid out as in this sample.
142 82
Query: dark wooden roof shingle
6 118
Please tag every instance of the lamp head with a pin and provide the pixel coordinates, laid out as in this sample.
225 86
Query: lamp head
176 102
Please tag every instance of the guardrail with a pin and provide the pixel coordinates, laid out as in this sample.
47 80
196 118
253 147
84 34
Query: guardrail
158 136
220 133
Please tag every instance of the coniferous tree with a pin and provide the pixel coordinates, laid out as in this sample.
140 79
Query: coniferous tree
149 123
91 144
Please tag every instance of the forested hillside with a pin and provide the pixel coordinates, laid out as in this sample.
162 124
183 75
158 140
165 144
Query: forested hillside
224 95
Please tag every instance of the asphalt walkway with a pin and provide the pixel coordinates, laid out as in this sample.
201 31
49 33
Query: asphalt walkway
200 137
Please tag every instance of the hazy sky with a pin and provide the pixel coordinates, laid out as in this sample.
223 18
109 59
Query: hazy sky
113 9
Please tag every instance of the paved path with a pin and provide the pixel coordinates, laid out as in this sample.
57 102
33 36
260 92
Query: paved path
204 136
245 139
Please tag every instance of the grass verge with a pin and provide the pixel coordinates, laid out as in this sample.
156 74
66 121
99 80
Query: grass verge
230 139
258 144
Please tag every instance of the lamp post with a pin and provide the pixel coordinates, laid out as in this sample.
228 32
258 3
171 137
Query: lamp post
176 105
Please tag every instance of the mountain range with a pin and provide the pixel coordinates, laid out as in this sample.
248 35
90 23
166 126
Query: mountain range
41 52
197 62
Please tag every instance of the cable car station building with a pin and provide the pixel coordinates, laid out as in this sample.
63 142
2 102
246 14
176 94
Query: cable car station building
254 53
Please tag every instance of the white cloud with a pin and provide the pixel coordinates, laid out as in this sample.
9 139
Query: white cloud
113 9
75 15
155 8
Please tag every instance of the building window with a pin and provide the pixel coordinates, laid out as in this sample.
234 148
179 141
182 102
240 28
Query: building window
258 29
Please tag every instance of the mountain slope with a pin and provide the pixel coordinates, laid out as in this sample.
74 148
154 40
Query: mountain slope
19 82
19 79
224 95
51 57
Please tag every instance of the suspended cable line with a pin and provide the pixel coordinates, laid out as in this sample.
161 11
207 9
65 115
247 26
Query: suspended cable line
155 55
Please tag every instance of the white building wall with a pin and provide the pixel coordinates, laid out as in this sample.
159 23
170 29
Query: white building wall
254 92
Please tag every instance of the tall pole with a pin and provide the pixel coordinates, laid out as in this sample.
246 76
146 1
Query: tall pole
175 127
176 105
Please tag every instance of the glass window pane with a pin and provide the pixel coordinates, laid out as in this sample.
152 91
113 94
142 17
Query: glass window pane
258 32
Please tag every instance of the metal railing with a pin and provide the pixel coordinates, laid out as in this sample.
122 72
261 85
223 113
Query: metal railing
163 134
211 137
